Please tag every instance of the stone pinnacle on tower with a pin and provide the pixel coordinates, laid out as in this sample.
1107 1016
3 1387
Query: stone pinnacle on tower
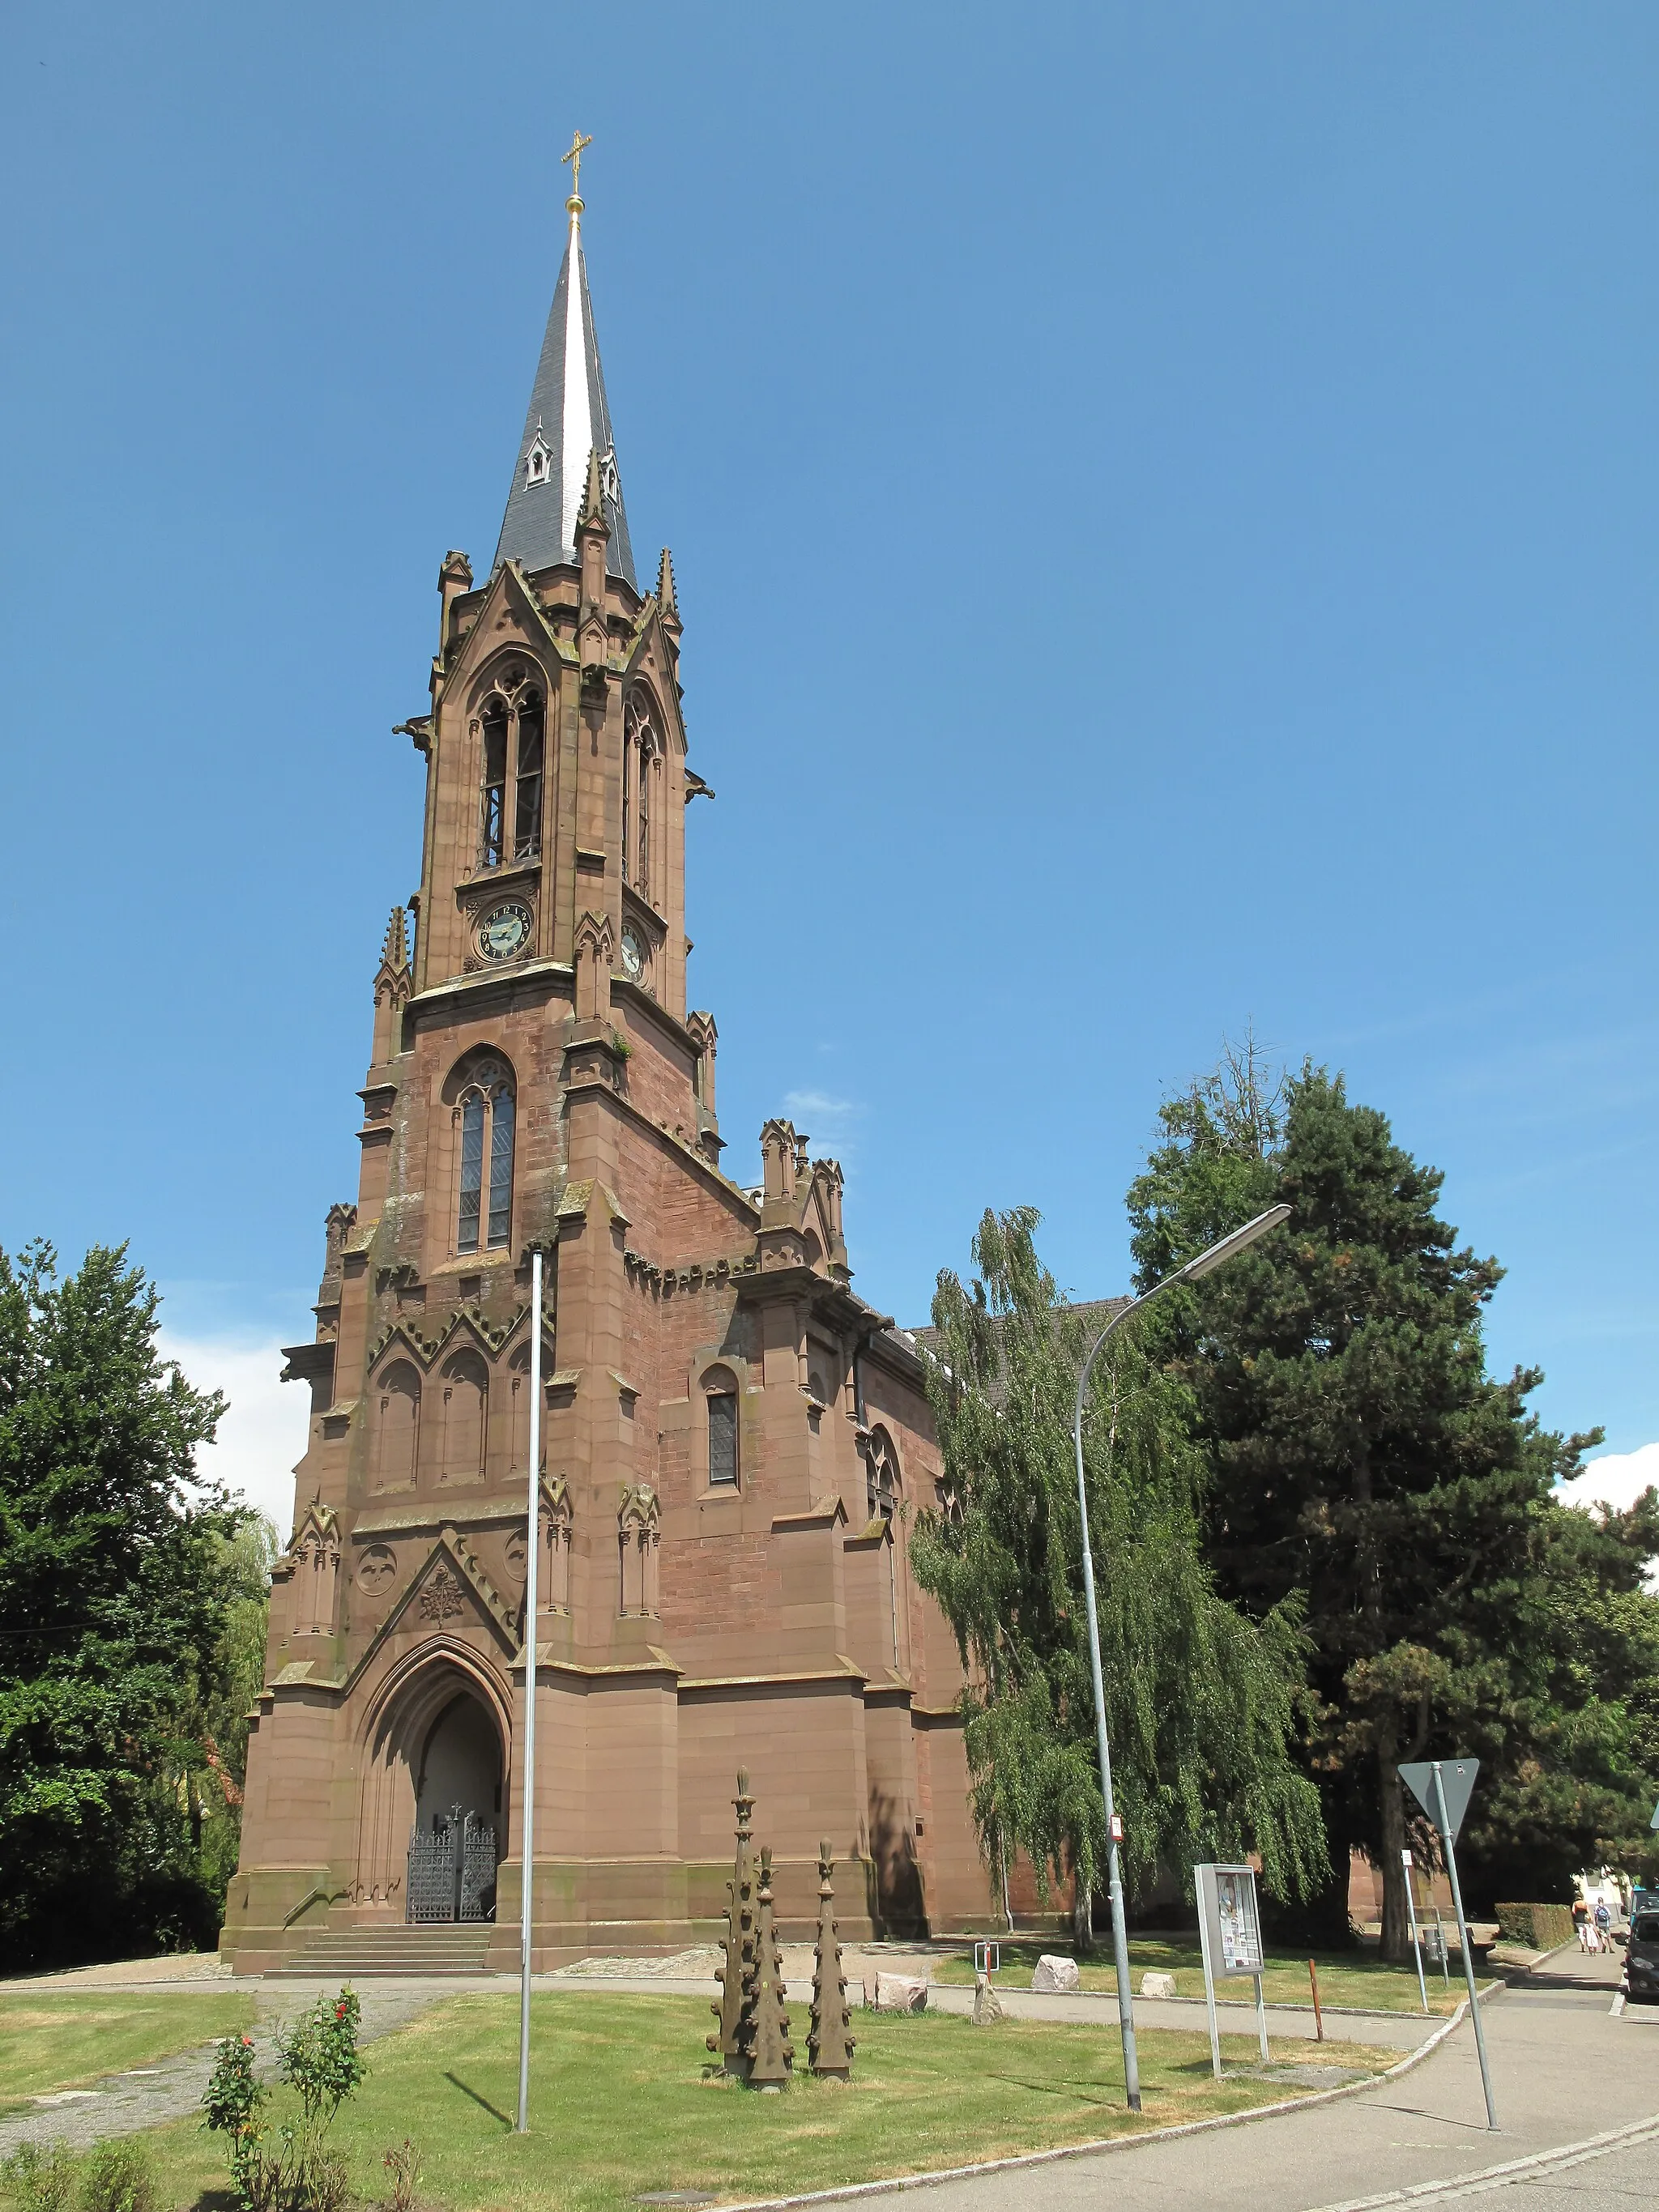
568 419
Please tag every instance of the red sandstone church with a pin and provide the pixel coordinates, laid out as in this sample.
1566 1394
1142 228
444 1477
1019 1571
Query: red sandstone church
731 1437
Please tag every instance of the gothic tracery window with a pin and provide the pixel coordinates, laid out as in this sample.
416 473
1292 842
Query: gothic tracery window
642 751
513 737
527 799
881 1480
485 1113
492 842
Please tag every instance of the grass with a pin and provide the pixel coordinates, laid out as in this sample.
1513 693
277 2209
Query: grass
623 2103
1344 1979
51 2041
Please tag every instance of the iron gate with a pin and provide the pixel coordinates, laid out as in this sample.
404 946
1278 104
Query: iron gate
452 1869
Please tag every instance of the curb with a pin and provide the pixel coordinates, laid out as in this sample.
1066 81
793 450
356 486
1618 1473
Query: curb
890 2186
1498 2177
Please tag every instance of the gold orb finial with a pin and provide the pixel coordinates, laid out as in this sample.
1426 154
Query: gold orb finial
574 205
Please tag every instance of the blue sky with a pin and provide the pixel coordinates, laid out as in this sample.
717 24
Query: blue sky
1163 504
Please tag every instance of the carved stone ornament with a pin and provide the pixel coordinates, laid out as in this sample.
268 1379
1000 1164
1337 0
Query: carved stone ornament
376 1570
441 1600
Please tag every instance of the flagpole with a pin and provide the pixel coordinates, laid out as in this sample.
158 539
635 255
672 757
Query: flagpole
527 1817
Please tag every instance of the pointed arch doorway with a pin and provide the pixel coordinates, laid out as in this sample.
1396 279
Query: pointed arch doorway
434 1806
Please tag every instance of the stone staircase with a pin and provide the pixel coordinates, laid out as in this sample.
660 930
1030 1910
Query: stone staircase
352 1953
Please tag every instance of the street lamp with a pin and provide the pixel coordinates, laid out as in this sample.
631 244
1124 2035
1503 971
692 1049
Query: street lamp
1216 1254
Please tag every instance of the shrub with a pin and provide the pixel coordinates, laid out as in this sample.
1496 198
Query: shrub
39 2180
117 2178
1539 1927
318 2056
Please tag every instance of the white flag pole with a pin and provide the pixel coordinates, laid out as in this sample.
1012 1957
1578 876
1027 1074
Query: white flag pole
527 1815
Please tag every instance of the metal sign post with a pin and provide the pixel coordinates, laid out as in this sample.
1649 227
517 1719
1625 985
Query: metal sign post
528 1820
1416 1945
1439 1785
1229 1932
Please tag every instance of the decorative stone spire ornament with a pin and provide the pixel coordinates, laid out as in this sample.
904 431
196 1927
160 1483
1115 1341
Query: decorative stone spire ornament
829 2045
763 2032
667 603
741 1939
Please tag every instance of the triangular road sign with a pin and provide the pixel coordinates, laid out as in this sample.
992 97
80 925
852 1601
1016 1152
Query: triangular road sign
1456 1781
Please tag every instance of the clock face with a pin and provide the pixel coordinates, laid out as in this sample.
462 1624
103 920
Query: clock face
633 953
504 931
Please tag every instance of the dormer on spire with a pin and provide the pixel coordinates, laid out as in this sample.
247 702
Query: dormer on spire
567 420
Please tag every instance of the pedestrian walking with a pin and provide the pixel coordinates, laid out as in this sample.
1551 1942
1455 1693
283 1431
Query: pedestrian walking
1603 1926
1581 1923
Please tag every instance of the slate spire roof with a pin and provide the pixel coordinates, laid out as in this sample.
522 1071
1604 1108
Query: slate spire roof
568 419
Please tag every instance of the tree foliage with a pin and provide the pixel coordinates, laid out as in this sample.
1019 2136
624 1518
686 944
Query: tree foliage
1366 1461
1200 1701
113 1602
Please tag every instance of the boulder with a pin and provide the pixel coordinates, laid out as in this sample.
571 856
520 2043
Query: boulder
987 2005
901 1993
1051 1972
1157 1985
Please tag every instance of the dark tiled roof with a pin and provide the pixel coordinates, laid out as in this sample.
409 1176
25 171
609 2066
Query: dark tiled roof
538 529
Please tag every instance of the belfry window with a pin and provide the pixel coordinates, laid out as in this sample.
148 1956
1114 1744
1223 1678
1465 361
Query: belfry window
492 843
527 799
485 1113
641 750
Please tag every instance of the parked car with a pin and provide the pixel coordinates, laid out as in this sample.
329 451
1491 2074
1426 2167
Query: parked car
1642 1958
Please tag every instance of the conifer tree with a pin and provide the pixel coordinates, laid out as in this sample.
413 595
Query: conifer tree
1364 1460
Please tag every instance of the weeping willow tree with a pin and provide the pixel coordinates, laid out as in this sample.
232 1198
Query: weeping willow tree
1202 1704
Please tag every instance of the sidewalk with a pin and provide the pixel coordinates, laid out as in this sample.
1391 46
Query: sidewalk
1563 2070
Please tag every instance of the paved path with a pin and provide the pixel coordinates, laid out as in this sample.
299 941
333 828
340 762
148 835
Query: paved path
1564 2069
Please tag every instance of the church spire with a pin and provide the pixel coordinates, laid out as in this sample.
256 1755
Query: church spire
568 419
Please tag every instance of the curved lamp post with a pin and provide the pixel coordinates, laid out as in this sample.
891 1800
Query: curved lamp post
1213 1258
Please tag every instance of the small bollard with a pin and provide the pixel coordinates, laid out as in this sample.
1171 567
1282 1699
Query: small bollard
1319 2017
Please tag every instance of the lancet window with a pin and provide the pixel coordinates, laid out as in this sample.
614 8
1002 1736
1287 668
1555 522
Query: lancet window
512 732
881 1478
495 782
641 760
720 1390
485 1113
527 801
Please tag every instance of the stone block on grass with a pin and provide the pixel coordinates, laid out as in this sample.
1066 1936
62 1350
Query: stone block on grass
1053 1973
1157 1985
901 1993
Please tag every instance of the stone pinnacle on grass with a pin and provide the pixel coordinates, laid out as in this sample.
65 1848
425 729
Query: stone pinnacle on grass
830 2044
740 1937
763 2032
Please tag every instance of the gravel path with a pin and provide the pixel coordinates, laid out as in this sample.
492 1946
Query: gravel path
121 2103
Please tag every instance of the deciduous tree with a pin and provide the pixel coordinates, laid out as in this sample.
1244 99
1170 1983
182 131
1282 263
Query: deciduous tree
1200 1699
112 1599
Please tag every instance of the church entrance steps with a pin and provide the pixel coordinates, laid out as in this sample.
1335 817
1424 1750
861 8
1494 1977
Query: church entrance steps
349 1953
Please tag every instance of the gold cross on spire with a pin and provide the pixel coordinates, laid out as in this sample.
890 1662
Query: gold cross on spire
574 157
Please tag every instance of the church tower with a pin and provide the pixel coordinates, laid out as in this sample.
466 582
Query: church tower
731 1437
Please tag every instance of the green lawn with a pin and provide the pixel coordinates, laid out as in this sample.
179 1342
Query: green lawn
1348 1978
620 2104
63 2040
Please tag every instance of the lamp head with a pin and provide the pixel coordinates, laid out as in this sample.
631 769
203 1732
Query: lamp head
1235 1241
